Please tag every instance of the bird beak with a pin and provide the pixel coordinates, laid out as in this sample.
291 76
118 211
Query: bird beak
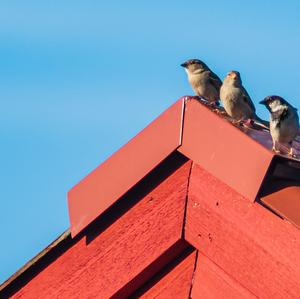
232 75
263 102
184 64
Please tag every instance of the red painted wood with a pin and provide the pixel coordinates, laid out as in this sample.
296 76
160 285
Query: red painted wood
211 282
112 259
113 178
223 150
176 283
251 244
146 275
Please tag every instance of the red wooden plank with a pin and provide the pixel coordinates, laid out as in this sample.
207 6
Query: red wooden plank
102 267
223 150
113 178
176 283
211 282
146 275
253 245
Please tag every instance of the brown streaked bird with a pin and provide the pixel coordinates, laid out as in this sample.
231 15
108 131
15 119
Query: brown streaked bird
236 100
284 122
205 83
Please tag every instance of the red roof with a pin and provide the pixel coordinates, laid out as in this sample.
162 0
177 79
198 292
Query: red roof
192 206
187 126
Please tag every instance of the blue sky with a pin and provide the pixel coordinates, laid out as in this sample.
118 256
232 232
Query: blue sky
80 78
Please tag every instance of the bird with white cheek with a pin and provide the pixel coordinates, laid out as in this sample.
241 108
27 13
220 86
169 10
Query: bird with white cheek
236 100
205 83
284 122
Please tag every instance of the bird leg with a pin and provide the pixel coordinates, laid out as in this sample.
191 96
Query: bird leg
238 123
274 149
220 110
249 123
216 107
292 150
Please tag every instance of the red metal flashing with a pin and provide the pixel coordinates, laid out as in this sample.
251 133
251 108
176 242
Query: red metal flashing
244 249
281 189
240 157
113 178
286 203
224 150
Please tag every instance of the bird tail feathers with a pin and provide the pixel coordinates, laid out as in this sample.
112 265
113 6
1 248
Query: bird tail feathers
262 122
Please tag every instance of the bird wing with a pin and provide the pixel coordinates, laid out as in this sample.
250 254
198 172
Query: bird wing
215 80
247 99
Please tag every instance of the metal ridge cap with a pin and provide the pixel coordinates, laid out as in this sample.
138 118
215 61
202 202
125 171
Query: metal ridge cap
115 176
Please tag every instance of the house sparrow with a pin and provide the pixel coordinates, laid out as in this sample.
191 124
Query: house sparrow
284 121
205 83
236 100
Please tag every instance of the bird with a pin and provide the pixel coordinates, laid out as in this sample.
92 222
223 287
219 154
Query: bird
204 82
284 122
236 100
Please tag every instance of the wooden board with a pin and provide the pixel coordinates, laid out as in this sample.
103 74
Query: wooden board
105 265
176 282
211 282
254 246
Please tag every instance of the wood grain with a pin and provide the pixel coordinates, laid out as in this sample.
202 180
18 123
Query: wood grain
176 283
211 282
112 259
254 246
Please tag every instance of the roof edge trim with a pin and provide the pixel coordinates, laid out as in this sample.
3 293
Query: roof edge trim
119 173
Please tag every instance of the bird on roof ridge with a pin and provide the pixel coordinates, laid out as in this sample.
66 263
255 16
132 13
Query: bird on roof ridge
236 100
204 82
284 122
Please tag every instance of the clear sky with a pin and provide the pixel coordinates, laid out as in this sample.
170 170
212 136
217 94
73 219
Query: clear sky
80 78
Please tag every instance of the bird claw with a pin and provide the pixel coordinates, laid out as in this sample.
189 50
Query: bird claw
238 123
291 153
214 107
219 111
275 150
246 123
